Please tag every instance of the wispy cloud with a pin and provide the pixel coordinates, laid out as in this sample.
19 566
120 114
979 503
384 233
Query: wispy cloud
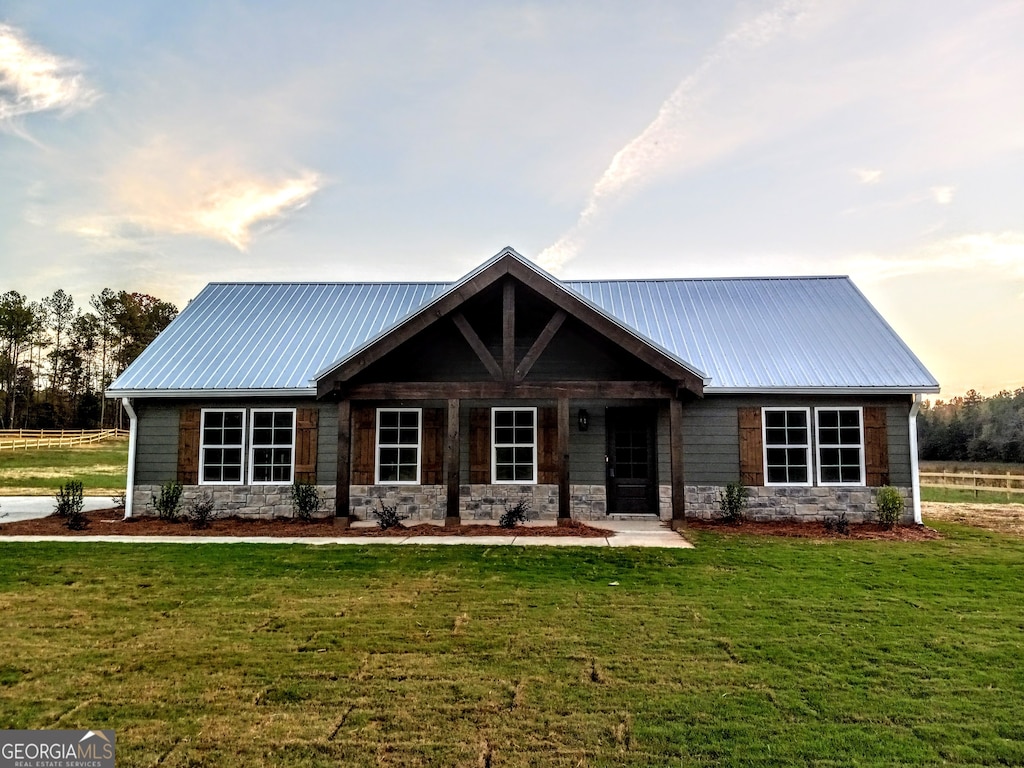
943 195
33 80
982 253
162 190
657 146
868 175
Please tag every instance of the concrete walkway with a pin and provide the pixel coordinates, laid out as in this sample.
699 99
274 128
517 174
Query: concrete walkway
628 533
14 508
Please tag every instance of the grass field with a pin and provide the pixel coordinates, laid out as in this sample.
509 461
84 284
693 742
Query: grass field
744 651
965 496
102 468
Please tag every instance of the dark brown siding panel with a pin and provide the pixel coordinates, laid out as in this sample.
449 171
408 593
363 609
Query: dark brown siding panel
480 445
751 458
364 437
433 446
188 446
876 446
547 446
307 421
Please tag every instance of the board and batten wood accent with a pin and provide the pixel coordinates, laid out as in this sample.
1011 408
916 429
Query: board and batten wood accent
478 346
479 446
876 446
364 439
343 478
508 329
451 463
307 421
547 445
675 420
189 421
751 441
432 440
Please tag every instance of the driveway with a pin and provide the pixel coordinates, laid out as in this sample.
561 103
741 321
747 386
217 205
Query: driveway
29 507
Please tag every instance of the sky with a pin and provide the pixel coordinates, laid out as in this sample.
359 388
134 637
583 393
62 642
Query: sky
155 147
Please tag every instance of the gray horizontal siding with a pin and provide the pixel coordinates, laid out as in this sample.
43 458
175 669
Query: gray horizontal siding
156 455
711 433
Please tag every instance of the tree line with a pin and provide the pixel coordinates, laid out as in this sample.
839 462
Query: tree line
56 358
973 428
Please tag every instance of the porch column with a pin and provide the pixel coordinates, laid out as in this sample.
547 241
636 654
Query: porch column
675 415
451 463
564 498
341 498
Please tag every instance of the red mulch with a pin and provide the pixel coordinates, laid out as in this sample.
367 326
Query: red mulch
814 530
110 522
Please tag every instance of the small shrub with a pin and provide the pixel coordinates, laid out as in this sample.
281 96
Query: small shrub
388 516
514 515
732 500
69 506
168 502
306 500
890 506
200 511
838 524
120 500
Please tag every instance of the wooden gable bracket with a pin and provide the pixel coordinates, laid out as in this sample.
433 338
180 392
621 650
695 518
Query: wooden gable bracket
540 344
478 346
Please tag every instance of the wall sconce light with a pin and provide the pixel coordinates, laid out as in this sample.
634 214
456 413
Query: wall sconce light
583 421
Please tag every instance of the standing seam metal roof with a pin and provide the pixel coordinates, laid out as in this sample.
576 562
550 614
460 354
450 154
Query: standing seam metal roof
743 333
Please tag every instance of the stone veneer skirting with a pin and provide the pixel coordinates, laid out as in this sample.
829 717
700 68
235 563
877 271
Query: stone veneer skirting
487 502
796 503
257 501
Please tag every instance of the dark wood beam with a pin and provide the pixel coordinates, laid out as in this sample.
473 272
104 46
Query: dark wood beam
478 346
538 347
564 496
508 329
480 390
451 463
342 510
675 419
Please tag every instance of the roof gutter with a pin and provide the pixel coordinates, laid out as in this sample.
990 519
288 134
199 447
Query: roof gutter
201 393
915 476
133 439
769 390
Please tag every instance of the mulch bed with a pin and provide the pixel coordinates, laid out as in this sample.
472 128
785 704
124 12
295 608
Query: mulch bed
110 522
813 530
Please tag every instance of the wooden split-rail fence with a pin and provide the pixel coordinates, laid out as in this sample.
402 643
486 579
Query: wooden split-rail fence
27 439
1007 483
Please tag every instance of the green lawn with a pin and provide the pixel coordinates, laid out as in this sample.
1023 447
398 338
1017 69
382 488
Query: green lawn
964 496
745 651
102 468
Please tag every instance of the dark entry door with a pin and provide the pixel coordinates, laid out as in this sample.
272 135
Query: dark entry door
632 471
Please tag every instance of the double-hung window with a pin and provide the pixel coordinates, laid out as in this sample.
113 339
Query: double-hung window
272 446
787 446
398 445
840 446
222 446
514 445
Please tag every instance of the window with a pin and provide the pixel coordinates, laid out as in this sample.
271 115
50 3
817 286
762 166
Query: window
398 445
271 449
221 446
840 446
787 446
514 445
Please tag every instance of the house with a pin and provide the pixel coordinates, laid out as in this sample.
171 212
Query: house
582 398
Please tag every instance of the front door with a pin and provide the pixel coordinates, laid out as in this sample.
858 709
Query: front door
632 470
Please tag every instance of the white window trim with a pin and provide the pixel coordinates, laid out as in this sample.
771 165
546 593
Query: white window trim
419 447
252 448
807 448
494 447
202 446
818 445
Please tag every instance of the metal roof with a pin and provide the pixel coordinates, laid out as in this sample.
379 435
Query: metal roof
744 334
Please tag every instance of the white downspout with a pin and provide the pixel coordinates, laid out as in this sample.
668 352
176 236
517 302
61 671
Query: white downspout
133 436
915 477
